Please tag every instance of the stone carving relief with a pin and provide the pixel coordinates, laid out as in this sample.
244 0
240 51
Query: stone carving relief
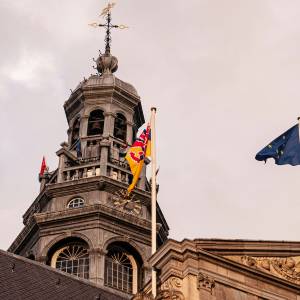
171 284
142 296
287 268
205 282
170 289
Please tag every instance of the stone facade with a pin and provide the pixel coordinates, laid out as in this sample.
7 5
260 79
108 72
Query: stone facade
203 270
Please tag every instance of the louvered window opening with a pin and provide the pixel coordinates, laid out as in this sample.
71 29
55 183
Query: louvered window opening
120 127
96 122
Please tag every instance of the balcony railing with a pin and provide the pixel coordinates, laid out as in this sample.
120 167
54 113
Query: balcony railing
81 161
118 174
116 167
120 163
81 172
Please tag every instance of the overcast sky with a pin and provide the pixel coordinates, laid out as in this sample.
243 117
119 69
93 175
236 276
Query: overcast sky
223 74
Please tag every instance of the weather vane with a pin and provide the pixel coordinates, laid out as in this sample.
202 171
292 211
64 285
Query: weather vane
106 13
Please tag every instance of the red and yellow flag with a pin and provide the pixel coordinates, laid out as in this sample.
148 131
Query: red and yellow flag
135 156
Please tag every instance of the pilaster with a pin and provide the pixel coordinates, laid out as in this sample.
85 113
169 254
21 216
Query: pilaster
109 122
129 137
142 181
104 144
83 130
97 257
61 165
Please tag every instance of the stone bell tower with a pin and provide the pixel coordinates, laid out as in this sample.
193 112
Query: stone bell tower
80 222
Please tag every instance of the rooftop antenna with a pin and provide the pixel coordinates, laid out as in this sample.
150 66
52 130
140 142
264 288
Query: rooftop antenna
106 13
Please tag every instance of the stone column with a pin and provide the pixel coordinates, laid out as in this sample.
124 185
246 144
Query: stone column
109 122
104 147
61 166
142 181
129 133
96 265
83 131
102 266
83 126
147 270
43 180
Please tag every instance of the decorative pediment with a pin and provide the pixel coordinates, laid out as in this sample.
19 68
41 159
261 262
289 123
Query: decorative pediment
287 268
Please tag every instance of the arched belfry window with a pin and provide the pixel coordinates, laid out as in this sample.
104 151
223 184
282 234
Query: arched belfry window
75 131
76 202
120 128
71 256
96 122
122 268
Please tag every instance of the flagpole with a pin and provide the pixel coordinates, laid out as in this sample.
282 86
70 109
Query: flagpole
153 195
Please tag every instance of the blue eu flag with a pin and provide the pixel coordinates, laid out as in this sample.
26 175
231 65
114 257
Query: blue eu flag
285 149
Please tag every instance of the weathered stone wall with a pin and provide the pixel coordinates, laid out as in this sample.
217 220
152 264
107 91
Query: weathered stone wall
188 272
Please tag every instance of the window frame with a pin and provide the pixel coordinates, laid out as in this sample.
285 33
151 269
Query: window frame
120 118
116 273
93 118
78 267
79 204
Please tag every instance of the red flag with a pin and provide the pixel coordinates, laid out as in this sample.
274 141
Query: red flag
43 166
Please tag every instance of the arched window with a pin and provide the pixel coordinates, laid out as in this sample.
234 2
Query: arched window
96 122
75 131
120 128
122 268
76 202
72 257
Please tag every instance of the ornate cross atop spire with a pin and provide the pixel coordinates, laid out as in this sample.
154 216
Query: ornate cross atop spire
106 13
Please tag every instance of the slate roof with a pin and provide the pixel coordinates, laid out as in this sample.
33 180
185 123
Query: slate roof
22 278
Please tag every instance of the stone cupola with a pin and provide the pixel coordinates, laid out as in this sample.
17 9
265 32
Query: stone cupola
79 222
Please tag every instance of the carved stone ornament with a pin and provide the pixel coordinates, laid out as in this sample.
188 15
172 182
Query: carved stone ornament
287 268
171 284
170 295
142 296
205 282
125 202
170 290
107 64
